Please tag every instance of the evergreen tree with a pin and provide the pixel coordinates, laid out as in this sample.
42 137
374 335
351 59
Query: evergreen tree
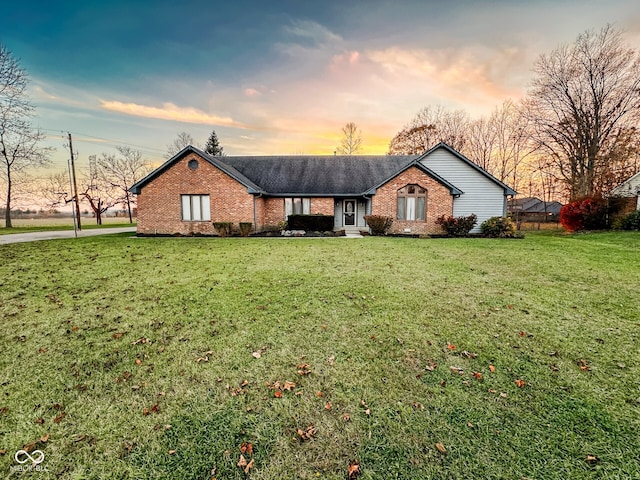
213 146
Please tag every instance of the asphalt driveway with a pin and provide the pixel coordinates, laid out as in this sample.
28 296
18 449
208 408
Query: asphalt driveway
36 236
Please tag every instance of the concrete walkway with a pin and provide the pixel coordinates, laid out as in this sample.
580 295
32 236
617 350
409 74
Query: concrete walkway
36 236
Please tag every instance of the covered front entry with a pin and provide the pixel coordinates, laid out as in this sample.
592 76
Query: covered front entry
349 212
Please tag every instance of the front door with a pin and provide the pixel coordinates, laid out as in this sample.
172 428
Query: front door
349 213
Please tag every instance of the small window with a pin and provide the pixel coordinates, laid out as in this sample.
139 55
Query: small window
193 164
412 203
195 208
297 206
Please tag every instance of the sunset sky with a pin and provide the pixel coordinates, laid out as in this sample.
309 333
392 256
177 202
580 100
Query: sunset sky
279 77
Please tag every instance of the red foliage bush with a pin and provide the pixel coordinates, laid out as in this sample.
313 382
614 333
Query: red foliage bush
585 214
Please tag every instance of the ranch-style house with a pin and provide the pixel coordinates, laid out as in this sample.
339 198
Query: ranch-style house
192 190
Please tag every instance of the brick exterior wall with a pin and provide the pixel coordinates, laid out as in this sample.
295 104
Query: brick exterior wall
439 201
159 208
272 210
159 203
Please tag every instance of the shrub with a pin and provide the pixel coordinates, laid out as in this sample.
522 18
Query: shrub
223 229
585 214
457 226
312 223
498 227
379 224
245 228
630 221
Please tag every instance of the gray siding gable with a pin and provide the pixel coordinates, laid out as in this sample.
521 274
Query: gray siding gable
484 195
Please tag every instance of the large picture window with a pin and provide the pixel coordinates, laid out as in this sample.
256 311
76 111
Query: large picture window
196 208
412 203
297 206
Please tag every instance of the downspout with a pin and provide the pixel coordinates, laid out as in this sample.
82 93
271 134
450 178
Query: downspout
255 213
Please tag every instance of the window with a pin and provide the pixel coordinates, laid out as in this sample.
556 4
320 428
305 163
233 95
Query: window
297 206
195 208
412 203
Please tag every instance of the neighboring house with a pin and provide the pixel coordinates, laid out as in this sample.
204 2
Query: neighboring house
532 208
191 190
630 189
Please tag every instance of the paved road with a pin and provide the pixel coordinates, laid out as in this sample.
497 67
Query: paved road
35 236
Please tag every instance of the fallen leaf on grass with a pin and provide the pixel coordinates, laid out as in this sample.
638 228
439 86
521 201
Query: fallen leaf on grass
288 385
44 438
40 420
468 354
3 410
441 448
256 354
477 375
117 335
277 394
3 451
582 363
492 369
249 466
171 452
457 370
520 383
327 406
247 448
307 434
451 346
592 459
303 369
138 361
59 417
242 462
431 366
353 470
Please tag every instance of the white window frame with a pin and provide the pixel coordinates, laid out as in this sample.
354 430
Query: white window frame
195 208
409 207
291 203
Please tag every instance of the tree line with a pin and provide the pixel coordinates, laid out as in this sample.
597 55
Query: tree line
575 132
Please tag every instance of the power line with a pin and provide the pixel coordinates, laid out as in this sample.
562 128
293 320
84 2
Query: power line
112 142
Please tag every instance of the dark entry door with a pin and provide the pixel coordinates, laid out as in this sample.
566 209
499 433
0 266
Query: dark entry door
349 213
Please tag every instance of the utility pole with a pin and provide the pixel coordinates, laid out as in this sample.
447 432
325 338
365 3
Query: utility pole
75 184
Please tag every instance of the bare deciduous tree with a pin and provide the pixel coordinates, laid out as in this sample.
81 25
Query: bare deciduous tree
499 143
183 139
429 127
122 172
583 96
20 149
351 140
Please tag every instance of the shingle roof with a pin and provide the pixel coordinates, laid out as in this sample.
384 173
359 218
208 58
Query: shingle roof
310 175
318 175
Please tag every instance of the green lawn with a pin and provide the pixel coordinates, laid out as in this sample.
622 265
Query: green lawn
54 224
137 358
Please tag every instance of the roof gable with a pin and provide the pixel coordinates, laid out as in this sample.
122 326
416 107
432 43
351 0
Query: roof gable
415 163
215 161
507 190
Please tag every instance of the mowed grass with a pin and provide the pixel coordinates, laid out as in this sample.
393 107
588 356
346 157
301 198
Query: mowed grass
45 224
158 357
